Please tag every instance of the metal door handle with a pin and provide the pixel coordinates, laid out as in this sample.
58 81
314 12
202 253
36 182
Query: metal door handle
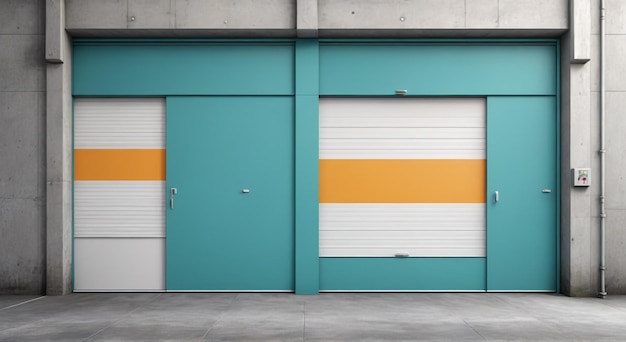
173 192
496 196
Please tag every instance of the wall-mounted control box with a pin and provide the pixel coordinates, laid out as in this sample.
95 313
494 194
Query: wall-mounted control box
581 176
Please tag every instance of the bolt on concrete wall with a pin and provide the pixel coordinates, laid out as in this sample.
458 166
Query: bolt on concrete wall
22 147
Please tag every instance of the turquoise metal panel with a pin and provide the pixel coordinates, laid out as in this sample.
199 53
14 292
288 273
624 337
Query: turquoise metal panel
521 167
179 69
402 274
218 236
438 69
307 139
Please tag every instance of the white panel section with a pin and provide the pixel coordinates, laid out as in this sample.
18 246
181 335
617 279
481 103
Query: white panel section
422 230
120 264
402 128
119 208
119 123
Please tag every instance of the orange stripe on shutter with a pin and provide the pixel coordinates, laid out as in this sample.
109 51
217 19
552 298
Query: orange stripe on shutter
119 164
402 181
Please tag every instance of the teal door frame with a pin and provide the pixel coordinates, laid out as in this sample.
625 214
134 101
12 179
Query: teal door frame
508 67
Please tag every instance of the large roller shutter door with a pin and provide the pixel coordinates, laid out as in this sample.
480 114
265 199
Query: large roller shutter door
402 177
119 185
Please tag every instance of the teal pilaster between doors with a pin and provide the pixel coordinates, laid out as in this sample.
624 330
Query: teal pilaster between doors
307 167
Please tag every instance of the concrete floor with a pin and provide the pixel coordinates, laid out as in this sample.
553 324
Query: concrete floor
329 317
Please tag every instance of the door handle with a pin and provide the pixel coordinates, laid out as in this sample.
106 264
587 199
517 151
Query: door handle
173 192
496 196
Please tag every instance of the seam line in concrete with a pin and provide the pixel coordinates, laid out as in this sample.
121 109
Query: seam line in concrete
304 321
121 318
230 305
22 303
476 331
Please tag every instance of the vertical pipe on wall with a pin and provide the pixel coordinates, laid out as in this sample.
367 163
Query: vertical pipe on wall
602 292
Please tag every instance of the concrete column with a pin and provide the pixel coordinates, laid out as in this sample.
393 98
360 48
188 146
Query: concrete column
306 18
580 29
579 227
22 147
58 152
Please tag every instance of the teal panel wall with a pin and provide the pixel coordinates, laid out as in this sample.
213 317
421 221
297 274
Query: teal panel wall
438 69
402 274
307 69
179 69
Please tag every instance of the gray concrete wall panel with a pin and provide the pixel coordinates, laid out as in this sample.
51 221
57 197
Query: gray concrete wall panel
391 14
22 192
595 63
595 16
615 16
22 269
446 14
481 13
22 147
615 158
615 66
97 14
616 245
181 14
288 18
21 17
243 14
616 192
533 13
21 150
22 68
147 14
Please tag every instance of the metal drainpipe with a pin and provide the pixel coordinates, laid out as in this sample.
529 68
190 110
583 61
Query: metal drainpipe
602 292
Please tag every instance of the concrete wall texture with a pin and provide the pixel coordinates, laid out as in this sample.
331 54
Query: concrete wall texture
22 147
35 104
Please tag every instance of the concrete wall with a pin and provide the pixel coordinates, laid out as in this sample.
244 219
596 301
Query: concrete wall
35 183
326 18
22 147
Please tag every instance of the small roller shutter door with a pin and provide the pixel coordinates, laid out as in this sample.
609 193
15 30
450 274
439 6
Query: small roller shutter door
119 194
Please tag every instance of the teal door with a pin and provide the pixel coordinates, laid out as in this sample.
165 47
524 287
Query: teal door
521 193
230 223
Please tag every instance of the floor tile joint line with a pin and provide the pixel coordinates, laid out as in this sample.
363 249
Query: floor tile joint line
118 320
22 303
